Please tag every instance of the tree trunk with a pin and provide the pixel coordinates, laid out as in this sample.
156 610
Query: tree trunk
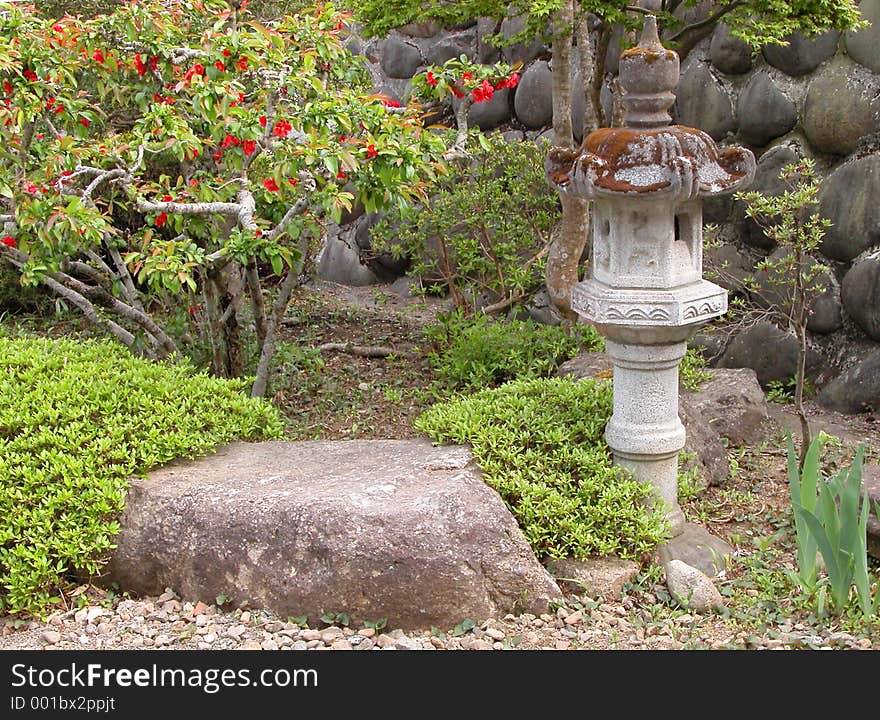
566 249
800 319
273 322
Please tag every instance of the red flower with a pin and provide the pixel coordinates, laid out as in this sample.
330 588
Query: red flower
249 147
40 136
388 102
262 121
7 87
161 219
340 175
226 52
31 188
242 64
220 66
50 102
282 128
430 79
84 122
230 140
371 151
59 108
271 185
139 65
484 91
193 155
8 241
258 233
512 81
167 198
455 91
217 155
31 75
154 62
467 76
98 56
292 181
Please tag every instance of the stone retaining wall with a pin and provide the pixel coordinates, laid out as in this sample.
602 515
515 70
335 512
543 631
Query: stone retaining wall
818 98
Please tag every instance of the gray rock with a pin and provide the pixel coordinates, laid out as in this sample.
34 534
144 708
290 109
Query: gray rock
861 294
848 198
728 266
862 46
732 403
523 52
447 49
823 297
703 103
339 260
490 113
802 55
697 547
50 637
513 136
729 54
856 390
841 106
769 351
703 442
385 265
591 365
768 183
533 101
602 577
400 57
764 111
691 588
420 30
378 529
396 89
871 485
487 53
541 310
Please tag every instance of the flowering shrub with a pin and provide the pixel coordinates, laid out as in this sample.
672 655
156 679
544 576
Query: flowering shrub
466 81
172 154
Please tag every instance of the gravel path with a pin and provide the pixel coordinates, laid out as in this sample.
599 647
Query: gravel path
169 623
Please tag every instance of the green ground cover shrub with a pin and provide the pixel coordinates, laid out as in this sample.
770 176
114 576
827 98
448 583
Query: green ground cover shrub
540 445
77 418
473 353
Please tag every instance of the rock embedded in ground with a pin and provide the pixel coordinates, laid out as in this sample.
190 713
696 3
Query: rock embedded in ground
603 577
377 529
767 182
698 548
857 389
732 402
401 58
691 588
703 442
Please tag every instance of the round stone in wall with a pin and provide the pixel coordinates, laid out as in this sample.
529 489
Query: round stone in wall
702 102
848 198
450 47
520 52
861 294
533 102
487 53
842 105
770 352
729 54
823 295
802 55
765 112
400 58
766 182
863 46
491 113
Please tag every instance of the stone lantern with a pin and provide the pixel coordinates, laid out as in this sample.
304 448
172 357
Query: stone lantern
646 294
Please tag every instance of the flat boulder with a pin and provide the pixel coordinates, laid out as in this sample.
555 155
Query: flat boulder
393 529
